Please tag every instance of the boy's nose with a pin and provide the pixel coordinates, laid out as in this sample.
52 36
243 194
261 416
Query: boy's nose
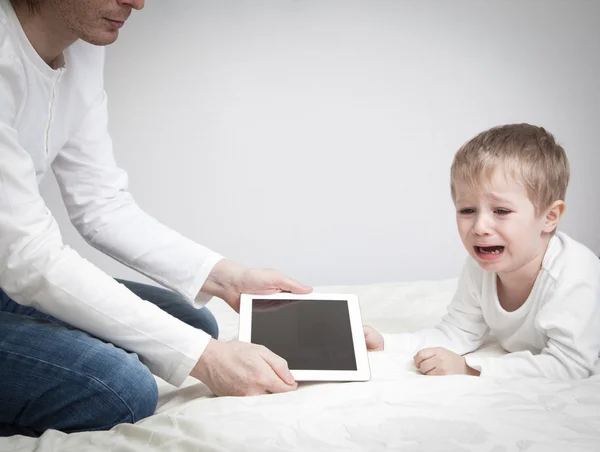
481 225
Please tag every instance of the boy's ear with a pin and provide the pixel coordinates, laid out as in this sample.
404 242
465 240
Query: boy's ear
553 215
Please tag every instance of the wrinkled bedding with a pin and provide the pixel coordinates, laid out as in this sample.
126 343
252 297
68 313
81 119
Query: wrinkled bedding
397 410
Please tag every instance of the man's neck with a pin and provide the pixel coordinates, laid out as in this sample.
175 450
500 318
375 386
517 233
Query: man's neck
46 36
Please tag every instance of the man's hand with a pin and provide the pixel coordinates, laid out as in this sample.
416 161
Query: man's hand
373 339
228 281
242 369
440 361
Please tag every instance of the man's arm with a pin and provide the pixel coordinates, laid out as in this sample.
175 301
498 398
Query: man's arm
100 207
37 269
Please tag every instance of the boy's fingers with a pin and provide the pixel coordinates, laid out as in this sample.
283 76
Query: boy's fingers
422 355
428 366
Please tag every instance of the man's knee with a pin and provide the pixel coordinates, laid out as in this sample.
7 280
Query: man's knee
208 323
133 392
174 304
77 383
120 390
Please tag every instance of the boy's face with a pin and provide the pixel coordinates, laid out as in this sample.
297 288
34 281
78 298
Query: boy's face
498 225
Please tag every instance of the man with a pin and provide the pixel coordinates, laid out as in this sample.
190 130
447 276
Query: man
59 314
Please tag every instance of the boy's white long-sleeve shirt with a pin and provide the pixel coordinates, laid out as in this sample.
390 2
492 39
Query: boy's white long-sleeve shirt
58 118
554 334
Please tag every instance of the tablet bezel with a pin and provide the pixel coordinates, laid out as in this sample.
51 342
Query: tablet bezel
362 372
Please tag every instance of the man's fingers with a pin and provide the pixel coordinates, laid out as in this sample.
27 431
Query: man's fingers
275 385
286 284
278 386
290 285
279 366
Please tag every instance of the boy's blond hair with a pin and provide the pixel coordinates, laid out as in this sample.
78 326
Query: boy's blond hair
528 153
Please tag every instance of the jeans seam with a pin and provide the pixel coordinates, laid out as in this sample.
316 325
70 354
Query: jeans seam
91 377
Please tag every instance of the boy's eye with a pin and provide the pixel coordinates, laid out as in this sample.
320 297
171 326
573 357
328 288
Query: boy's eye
466 211
501 211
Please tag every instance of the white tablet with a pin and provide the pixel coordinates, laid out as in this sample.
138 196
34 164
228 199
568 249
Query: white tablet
320 335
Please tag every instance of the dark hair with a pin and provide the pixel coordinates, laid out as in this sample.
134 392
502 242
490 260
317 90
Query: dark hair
33 5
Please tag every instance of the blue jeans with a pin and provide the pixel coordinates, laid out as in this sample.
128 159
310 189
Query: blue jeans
54 376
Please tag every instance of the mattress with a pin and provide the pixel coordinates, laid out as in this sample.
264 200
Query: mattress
399 409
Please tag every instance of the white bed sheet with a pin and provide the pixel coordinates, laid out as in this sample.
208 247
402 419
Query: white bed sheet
397 410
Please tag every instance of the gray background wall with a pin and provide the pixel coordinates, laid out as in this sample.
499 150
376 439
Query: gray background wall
316 136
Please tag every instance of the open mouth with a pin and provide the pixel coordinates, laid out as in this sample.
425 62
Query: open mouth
489 249
489 252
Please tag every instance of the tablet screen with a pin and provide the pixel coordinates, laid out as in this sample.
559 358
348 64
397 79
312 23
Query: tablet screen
309 334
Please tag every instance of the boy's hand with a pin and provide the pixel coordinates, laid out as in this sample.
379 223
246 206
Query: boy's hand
373 339
440 361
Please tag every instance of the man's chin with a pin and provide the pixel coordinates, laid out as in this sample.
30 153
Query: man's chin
102 38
